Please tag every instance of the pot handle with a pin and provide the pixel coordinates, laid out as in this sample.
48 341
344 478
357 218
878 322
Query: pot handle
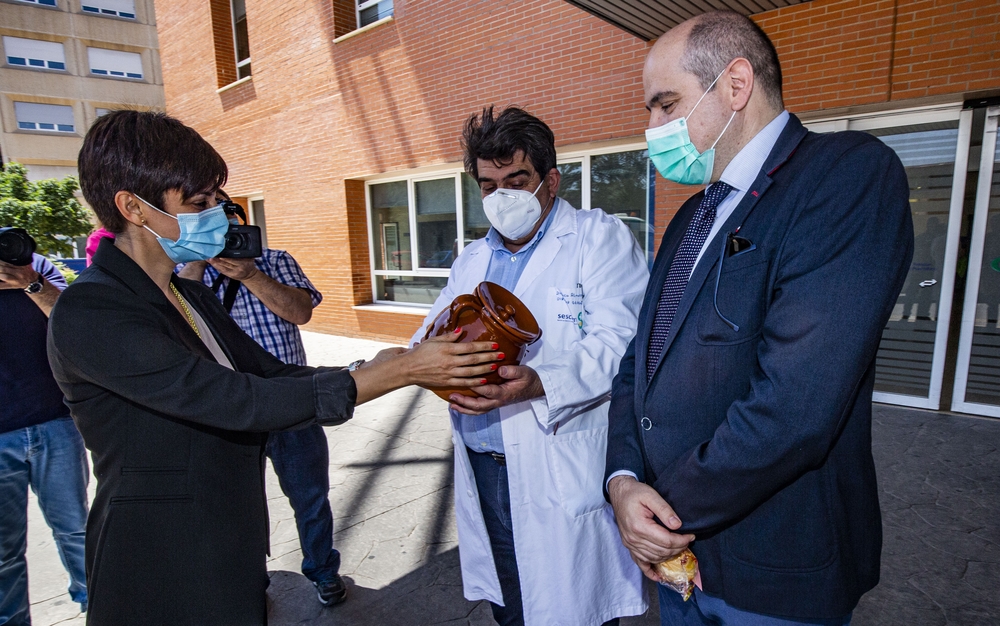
458 306
462 304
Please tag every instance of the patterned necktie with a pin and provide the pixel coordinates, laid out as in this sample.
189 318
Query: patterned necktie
680 271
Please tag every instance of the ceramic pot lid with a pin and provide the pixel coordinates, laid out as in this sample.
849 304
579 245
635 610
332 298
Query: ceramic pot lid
508 312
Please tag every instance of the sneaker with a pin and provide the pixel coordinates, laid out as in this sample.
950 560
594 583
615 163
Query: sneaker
331 592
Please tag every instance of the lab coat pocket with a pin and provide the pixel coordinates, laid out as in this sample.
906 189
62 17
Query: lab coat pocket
577 463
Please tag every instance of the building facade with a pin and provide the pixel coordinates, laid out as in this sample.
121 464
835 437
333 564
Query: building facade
346 125
65 62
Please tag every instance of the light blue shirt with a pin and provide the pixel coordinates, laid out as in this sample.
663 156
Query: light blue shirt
481 433
741 172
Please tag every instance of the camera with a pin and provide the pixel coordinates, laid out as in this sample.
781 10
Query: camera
16 246
242 242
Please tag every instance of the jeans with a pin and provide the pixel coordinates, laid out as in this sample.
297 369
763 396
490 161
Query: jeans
705 610
301 460
494 498
51 459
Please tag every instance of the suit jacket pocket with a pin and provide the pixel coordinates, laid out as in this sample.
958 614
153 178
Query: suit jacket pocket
742 297
792 531
577 460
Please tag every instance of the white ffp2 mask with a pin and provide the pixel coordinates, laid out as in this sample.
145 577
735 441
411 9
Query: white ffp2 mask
513 212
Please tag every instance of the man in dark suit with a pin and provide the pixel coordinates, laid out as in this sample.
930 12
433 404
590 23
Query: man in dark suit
741 414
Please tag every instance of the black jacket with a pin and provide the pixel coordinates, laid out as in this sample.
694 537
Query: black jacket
178 532
760 438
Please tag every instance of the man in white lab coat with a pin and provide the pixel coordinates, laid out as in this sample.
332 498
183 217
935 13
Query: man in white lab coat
536 537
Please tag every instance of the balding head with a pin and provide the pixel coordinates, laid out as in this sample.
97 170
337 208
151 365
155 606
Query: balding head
713 40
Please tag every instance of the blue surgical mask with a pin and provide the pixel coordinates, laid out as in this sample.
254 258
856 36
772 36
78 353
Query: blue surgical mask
203 234
673 154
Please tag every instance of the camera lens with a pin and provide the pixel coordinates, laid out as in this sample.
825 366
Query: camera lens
236 241
16 246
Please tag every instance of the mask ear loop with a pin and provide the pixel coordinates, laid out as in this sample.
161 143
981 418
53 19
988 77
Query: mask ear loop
688 116
150 205
724 129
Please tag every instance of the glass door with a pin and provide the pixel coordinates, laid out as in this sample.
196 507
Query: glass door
933 146
977 375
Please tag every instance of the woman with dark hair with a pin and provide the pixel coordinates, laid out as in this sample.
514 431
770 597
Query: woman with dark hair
174 401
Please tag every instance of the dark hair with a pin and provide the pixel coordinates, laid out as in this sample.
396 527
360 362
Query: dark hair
148 154
498 137
718 37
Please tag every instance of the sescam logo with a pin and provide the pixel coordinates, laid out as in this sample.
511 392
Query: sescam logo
568 300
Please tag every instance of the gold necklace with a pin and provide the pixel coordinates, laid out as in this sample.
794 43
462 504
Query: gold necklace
187 311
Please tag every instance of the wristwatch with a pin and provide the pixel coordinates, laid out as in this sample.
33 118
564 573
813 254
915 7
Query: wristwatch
355 365
34 287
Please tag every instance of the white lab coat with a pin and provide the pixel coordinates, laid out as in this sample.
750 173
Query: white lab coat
584 284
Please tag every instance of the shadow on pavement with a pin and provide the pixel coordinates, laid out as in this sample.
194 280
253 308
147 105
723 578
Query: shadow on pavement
429 595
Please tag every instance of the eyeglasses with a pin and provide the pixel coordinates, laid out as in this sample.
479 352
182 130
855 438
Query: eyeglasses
732 245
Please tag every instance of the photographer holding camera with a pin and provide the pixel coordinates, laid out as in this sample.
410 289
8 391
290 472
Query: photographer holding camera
39 445
269 297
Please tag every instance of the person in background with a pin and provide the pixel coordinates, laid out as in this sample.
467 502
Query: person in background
741 414
40 447
269 297
175 401
94 238
535 536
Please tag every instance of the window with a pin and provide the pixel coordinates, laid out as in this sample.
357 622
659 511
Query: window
619 183
101 112
242 39
114 63
47 117
414 223
48 3
34 53
117 8
370 11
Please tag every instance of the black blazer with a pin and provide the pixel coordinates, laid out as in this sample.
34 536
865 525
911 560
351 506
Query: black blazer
760 438
178 532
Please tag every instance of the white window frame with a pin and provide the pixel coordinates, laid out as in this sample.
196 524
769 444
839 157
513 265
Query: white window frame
95 7
972 286
912 117
360 5
411 204
44 3
112 73
456 171
46 63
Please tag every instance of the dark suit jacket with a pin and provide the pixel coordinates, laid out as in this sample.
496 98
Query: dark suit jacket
178 532
761 438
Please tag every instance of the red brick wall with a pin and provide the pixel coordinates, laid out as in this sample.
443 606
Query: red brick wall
318 115
838 53
946 47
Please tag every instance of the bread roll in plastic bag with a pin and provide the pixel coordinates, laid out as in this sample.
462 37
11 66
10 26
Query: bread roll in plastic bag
679 572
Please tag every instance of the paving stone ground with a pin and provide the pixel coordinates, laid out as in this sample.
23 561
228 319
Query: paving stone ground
391 477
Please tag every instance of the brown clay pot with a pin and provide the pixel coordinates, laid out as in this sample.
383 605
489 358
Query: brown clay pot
490 313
